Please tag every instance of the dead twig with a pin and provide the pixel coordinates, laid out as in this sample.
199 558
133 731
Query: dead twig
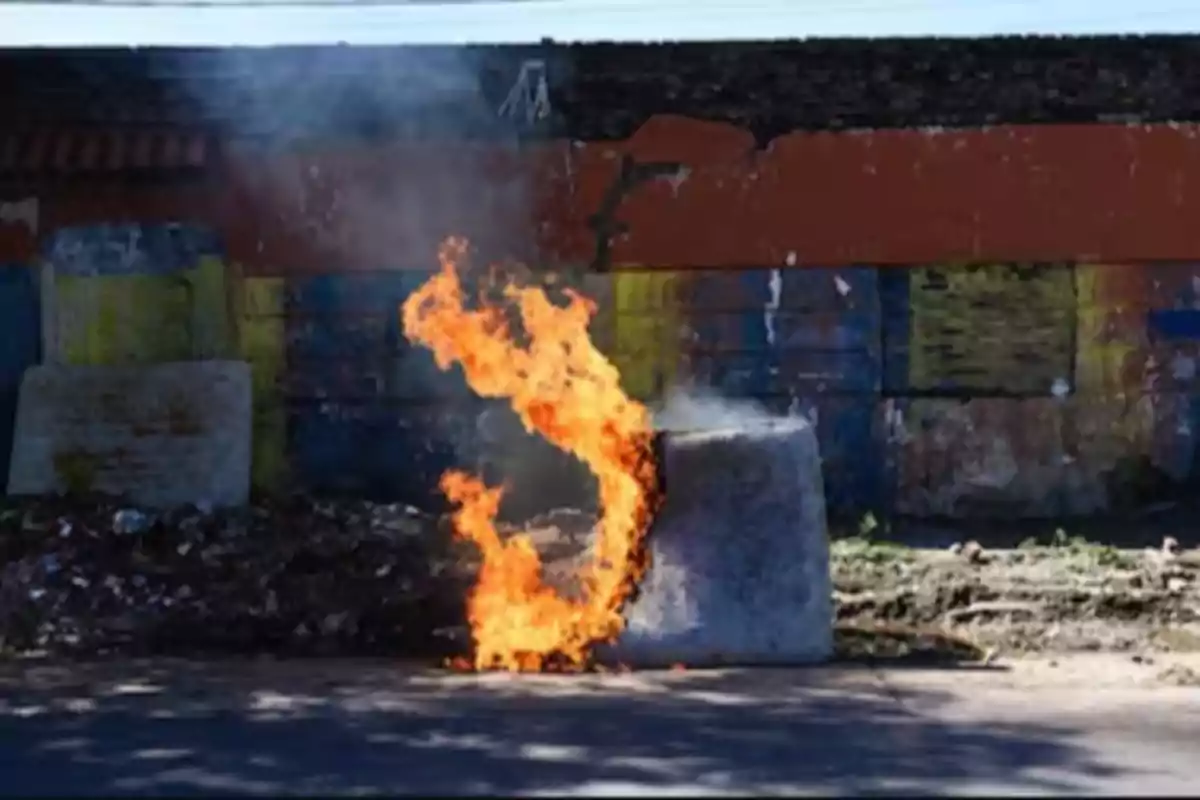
995 607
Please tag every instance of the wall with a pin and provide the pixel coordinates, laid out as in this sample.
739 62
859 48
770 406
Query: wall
1000 320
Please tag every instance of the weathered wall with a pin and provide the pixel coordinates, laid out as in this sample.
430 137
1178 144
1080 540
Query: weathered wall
994 320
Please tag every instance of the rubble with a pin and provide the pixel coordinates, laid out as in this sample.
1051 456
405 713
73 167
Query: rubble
298 575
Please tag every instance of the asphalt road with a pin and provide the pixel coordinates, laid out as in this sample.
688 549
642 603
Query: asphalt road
1100 726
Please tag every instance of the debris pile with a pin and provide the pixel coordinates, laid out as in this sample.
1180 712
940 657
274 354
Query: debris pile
290 576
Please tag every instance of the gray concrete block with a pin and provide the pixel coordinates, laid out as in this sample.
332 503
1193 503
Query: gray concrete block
740 553
162 435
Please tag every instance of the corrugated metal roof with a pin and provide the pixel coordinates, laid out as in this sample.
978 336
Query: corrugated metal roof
526 21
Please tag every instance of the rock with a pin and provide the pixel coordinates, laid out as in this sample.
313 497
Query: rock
974 553
1180 675
129 520
1170 546
740 570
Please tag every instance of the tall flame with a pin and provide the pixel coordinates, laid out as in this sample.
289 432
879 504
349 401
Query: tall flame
561 386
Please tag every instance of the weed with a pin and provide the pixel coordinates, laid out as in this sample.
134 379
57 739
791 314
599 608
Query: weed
863 548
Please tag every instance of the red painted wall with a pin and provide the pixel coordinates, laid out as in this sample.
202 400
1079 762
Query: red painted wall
1109 192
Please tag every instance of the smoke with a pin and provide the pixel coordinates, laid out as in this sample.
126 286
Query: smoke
699 408
365 159
370 157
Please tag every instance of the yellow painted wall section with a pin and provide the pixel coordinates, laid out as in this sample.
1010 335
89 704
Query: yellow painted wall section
647 322
1113 417
144 319
1111 327
259 311
991 326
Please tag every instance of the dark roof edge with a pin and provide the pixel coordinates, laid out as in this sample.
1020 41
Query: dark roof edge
817 41
607 90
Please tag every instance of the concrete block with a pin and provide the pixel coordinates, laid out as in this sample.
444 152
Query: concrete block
741 554
161 435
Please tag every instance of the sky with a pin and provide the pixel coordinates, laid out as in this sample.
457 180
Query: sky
165 23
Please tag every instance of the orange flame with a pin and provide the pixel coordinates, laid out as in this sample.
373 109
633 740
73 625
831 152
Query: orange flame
561 386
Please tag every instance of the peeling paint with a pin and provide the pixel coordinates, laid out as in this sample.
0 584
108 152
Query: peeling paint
775 285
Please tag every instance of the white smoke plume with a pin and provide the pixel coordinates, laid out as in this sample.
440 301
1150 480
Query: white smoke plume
699 408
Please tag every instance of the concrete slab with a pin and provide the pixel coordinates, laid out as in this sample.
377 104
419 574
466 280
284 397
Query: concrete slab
162 435
740 570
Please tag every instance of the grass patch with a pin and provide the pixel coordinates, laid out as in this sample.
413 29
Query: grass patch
1093 554
864 549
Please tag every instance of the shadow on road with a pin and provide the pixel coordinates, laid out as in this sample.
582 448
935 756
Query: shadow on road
251 728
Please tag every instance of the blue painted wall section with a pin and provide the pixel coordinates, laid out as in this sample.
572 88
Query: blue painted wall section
895 321
829 354
20 347
802 341
1175 324
368 412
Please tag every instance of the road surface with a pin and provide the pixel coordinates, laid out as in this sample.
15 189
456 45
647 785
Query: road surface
1104 725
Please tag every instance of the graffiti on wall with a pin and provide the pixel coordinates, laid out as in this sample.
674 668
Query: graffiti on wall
258 315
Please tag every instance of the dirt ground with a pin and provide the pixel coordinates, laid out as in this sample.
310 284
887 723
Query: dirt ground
1066 596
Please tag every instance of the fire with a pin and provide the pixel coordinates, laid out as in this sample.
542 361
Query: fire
561 386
